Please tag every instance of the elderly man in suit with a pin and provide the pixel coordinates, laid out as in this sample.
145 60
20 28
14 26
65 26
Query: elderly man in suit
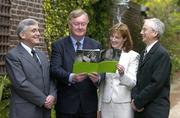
150 96
76 93
33 92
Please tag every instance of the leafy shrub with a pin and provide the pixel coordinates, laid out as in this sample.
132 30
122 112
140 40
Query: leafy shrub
56 14
175 63
5 95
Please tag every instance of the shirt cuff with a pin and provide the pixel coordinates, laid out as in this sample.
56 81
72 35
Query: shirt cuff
71 78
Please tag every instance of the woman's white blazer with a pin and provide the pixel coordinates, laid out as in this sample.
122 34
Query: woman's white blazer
117 87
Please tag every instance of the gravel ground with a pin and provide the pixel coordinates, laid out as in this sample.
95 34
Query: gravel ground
175 111
175 98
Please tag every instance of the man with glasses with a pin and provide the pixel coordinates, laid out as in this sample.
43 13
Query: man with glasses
33 92
77 93
150 96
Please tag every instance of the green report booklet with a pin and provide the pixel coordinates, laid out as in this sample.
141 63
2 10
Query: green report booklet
100 67
95 60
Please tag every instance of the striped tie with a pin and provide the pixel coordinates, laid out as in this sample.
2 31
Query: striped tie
144 55
35 57
78 44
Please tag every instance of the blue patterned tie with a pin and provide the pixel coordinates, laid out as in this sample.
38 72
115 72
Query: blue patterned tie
78 44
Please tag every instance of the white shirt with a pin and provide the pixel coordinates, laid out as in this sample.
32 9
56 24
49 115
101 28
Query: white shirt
150 46
28 49
74 41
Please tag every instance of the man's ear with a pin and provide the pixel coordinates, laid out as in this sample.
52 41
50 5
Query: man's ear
156 34
22 35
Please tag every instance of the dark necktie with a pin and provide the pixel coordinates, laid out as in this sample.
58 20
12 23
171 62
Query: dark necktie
144 55
78 44
35 57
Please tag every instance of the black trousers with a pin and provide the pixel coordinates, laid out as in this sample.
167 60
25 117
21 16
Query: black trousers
78 114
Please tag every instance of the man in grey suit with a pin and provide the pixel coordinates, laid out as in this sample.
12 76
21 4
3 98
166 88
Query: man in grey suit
33 93
150 96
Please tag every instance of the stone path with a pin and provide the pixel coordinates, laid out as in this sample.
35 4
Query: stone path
175 98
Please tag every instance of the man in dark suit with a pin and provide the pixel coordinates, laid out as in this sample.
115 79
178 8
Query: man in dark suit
150 96
76 93
33 93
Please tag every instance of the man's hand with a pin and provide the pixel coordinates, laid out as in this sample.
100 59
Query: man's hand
79 77
50 101
135 108
94 77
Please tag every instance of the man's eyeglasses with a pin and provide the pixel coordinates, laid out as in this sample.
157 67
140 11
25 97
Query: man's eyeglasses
76 24
144 29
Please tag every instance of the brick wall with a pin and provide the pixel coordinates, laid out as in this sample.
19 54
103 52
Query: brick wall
11 13
21 9
4 31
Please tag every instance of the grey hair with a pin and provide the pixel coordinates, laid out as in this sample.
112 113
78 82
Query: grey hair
77 13
24 24
157 25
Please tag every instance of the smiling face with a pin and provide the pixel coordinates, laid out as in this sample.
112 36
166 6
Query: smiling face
31 36
120 37
148 34
116 40
78 26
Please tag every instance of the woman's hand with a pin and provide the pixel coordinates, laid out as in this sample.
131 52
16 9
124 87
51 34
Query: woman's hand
120 69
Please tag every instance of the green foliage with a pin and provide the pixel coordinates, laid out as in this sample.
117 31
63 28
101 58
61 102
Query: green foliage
4 108
57 11
176 63
4 84
5 95
100 20
2 81
167 11
56 14
140 1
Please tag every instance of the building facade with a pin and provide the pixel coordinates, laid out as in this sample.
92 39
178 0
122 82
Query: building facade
11 13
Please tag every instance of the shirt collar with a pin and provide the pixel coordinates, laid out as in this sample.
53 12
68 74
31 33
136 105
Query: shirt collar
28 49
74 40
150 46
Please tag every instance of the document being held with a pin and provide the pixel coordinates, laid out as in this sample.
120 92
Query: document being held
95 60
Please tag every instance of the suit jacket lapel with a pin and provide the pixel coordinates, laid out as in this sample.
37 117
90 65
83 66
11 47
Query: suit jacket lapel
86 44
43 66
42 60
28 57
70 48
149 54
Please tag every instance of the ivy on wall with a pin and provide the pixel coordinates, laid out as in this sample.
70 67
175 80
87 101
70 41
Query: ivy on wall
57 11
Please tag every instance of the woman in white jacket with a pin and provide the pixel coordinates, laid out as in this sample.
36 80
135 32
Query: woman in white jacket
115 88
